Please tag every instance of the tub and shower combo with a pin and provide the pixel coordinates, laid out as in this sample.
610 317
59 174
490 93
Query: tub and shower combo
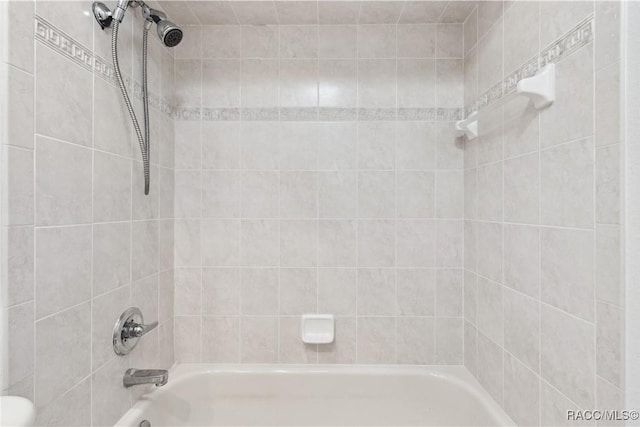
290 395
318 212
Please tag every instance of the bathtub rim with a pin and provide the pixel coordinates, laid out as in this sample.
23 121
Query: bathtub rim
179 372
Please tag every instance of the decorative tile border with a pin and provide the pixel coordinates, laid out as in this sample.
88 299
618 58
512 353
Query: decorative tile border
260 114
221 114
62 43
577 37
449 114
187 114
317 114
338 114
417 114
104 69
59 41
298 114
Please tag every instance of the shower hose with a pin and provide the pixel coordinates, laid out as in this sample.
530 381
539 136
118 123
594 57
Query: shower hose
143 141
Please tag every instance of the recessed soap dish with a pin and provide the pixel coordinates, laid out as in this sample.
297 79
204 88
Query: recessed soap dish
317 328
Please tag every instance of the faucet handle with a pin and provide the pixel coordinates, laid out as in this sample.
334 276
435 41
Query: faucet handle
137 330
128 330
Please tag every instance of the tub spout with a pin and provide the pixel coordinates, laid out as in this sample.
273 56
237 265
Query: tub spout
133 376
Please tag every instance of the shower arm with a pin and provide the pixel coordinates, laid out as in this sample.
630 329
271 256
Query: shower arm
105 16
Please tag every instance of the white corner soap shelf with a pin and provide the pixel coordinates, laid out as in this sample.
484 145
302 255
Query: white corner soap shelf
540 89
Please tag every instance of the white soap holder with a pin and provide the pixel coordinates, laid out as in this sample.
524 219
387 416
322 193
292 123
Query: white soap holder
317 328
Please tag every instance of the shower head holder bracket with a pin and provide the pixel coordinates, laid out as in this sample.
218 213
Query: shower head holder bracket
102 13
105 16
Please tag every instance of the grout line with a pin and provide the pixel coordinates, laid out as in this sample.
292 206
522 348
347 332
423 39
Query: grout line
317 151
594 189
92 272
501 284
395 190
357 190
278 341
201 138
240 160
35 210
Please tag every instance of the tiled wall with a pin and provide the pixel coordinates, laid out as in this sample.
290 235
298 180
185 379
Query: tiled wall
83 242
543 297
316 171
631 71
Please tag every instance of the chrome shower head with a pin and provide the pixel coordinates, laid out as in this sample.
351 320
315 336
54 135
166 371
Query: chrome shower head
170 34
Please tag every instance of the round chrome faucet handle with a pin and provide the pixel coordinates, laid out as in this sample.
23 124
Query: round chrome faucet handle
128 330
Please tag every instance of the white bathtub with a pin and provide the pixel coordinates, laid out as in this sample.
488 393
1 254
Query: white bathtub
271 395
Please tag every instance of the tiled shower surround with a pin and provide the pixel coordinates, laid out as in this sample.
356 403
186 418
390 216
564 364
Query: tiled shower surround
83 241
316 170
544 296
320 177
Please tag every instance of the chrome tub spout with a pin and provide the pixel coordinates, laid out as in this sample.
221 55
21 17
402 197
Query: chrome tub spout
133 376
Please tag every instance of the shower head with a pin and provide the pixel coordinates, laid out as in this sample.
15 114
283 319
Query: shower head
170 34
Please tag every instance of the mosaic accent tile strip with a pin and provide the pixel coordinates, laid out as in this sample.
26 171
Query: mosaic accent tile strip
59 41
430 114
317 114
417 114
51 36
221 114
104 69
62 43
449 114
299 114
578 37
375 114
260 114
338 114
187 113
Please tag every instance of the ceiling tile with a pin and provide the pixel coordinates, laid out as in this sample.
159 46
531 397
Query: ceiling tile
213 12
297 12
153 4
422 12
179 12
457 11
255 12
311 12
338 12
380 12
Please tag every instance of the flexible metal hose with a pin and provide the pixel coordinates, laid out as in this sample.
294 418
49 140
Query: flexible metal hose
143 142
145 91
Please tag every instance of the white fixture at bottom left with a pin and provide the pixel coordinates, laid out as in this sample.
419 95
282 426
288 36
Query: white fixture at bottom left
16 411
